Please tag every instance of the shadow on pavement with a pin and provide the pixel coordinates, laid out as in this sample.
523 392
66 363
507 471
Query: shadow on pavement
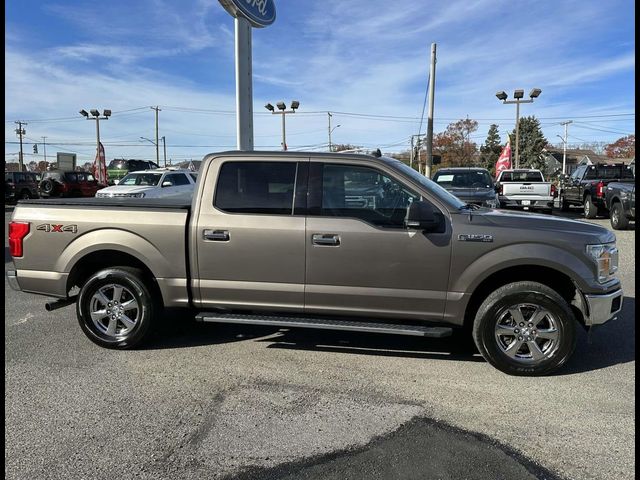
610 344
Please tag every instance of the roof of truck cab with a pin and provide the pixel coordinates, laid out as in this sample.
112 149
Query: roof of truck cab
312 155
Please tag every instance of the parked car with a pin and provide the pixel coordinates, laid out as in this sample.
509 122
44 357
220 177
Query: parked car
271 238
20 185
587 185
620 199
156 183
525 189
118 168
471 185
57 183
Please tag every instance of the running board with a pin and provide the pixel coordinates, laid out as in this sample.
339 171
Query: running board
302 322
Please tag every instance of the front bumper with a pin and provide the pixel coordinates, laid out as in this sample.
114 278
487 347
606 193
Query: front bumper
602 307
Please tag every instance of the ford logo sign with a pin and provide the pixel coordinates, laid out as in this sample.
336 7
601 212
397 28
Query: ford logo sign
260 13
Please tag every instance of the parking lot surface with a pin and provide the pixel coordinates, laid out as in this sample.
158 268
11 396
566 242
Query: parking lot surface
207 401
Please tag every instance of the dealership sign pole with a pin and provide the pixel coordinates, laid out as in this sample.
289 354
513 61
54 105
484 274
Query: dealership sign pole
247 14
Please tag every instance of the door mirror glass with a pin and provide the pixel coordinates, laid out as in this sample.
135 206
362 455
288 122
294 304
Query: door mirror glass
422 216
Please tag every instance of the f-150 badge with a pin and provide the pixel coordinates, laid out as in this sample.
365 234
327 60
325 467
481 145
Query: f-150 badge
475 237
47 227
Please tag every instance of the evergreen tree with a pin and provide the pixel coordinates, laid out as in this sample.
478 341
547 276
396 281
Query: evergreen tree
490 151
532 142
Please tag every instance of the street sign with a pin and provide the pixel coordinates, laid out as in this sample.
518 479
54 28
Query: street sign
260 13
66 161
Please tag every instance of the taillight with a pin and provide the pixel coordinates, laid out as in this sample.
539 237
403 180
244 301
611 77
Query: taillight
600 189
554 191
17 232
500 189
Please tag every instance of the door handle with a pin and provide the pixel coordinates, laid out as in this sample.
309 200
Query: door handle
216 235
326 239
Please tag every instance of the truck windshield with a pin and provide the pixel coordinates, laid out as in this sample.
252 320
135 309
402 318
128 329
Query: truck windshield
144 179
521 177
426 183
463 179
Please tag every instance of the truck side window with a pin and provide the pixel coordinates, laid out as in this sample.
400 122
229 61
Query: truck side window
361 192
256 187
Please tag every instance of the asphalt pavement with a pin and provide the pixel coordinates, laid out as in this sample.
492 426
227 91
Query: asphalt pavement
240 402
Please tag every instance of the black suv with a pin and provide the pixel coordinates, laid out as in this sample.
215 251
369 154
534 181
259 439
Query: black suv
119 167
20 185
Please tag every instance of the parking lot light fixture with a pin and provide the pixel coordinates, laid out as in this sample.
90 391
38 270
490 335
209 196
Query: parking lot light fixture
282 110
96 116
518 96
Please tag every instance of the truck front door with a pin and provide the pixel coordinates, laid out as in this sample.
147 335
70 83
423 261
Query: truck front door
249 245
361 260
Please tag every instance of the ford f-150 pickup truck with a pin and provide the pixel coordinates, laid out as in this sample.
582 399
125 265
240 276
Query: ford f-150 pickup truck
620 199
333 241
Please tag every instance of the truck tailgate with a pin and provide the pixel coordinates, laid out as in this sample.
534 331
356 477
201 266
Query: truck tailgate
532 189
65 232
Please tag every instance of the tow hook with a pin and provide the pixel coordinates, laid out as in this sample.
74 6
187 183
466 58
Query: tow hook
63 302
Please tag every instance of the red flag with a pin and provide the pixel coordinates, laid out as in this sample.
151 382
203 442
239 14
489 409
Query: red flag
100 167
504 160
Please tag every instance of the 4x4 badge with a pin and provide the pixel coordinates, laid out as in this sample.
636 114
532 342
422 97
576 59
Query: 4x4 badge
47 227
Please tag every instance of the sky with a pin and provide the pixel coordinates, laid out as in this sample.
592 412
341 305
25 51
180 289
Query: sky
365 61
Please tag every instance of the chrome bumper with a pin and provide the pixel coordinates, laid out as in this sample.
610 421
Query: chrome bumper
602 308
12 278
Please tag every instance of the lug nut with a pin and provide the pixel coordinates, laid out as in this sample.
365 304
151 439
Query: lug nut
517 330
520 337
530 324
522 324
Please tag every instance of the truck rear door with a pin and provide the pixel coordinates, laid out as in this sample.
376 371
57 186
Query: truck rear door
249 245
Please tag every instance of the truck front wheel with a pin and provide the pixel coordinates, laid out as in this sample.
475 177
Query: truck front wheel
525 328
115 308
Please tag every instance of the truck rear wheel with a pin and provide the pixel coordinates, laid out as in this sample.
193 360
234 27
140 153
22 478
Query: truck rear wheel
619 220
525 328
564 205
590 209
115 308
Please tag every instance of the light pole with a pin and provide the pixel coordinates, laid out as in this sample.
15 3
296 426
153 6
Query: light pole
96 116
283 111
330 132
518 95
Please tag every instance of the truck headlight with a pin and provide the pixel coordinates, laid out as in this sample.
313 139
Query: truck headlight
606 258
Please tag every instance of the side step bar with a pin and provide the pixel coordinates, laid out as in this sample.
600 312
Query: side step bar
327 324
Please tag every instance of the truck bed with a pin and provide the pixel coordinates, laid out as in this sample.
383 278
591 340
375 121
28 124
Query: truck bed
170 203
64 233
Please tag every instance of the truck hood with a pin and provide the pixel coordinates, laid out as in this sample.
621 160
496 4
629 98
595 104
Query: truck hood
125 189
471 194
554 225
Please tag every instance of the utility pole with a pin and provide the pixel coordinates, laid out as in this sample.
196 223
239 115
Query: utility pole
412 152
329 116
164 145
432 86
564 141
21 131
157 109
44 146
415 151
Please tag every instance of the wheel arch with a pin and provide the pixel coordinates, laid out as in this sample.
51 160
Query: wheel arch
551 277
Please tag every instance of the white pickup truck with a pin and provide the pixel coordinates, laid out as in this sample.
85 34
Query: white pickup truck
525 189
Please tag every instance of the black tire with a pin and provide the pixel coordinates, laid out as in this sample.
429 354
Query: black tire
136 288
619 220
46 186
497 307
564 205
590 209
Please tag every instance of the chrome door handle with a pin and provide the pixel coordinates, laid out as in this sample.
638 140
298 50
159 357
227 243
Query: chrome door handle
216 235
326 239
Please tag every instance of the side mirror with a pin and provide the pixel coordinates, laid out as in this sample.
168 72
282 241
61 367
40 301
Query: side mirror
496 187
167 183
421 215
115 182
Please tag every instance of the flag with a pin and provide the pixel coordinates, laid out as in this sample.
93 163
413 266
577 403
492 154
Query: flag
504 160
100 167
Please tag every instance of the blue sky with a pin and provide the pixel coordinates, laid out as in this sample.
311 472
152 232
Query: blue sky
368 59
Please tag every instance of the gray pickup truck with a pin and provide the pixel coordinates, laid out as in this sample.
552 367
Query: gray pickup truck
333 241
